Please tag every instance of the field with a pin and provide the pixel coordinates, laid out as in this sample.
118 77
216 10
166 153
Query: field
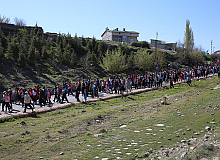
134 127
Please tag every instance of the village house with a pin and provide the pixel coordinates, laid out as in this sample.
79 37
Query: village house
160 45
120 35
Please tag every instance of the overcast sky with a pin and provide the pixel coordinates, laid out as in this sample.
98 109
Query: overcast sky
90 17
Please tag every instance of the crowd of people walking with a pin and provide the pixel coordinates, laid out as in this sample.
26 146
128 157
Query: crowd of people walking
92 87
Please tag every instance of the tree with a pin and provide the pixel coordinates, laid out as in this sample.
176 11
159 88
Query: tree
21 57
19 22
114 61
73 59
1 52
31 54
196 57
183 58
44 53
59 54
144 60
67 54
9 51
161 60
4 19
188 38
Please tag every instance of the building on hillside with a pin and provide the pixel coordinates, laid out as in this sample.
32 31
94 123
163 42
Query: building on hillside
160 45
120 35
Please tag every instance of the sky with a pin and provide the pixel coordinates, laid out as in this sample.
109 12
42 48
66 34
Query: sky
90 18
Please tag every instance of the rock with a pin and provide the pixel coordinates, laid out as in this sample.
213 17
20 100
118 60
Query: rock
184 133
183 154
192 148
146 154
209 133
207 128
183 141
41 158
212 113
98 135
61 153
188 129
169 139
196 133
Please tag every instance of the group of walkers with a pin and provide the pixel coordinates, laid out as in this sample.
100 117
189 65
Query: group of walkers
27 98
92 87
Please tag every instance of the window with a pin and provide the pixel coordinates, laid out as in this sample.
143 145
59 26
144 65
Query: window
124 38
131 40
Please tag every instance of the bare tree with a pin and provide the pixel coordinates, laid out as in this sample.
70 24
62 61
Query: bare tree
179 47
19 22
4 19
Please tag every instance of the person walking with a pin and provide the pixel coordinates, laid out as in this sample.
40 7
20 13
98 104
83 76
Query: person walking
64 92
49 96
7 102
27 102
41 98
3 100
77 92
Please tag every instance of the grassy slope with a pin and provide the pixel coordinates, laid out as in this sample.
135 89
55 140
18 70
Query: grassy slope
72 130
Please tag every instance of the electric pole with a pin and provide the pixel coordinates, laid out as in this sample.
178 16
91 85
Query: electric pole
211 46
156 51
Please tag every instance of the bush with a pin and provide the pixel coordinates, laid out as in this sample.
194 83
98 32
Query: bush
142 44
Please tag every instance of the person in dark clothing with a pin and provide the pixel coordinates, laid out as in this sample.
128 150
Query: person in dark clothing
41 98
77 93
64 92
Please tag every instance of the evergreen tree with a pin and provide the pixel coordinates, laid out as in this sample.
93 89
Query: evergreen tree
89 46
59 54
31 54
1 52
9 51
67 54
44 53
3 40
83 41
21 57
101 49
73 59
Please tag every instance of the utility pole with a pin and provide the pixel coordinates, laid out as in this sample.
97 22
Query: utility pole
211 46
156 52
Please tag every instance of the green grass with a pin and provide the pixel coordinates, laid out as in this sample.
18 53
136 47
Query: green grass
72 130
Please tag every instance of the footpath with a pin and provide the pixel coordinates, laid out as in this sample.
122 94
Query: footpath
17 111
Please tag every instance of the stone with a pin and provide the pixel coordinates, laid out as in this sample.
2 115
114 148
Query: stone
146 154
123 126
196 133
61 153
183 141
188 129
159 125
207 128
